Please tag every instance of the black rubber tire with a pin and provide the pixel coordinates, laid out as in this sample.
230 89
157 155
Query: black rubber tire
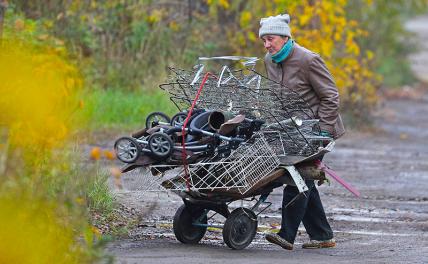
179 116
162 151
184 230
240 228
136 149
156 116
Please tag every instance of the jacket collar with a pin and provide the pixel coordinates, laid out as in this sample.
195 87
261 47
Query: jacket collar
293 52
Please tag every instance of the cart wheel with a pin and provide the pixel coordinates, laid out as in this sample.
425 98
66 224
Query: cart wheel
153 119
240 228
160 145
127 149
184 230
178 119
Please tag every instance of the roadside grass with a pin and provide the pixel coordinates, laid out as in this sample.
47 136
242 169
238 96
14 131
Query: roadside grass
118 109
99 197
103 206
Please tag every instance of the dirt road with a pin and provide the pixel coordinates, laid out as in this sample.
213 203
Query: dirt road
388 224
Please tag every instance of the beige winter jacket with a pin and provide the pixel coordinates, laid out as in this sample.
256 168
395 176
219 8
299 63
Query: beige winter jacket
306 73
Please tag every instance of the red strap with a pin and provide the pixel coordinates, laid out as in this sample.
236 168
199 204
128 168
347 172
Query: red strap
183 132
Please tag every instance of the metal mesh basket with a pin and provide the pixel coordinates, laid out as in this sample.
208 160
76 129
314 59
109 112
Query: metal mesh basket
240 171
257 97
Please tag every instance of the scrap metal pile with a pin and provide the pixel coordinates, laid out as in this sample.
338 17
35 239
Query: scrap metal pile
233 128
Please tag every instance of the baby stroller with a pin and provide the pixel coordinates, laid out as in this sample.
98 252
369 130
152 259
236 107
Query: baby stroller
161 142
273 139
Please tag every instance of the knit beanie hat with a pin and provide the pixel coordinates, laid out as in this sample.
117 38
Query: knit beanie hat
275 25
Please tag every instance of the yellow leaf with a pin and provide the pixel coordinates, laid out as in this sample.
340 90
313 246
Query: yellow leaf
370 54
96 231
224 3
245 18
304 19
174 26
337 36
252 36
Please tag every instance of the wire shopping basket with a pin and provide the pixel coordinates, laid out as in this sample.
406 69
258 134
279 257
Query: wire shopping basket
240 171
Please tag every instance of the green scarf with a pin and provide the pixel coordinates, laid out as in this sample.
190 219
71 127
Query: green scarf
284 52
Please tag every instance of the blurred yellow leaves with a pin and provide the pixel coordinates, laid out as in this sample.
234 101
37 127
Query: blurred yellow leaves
370 54
245 19
306 15
80 201
174 26
38 91
155 16
31 233
222 3
43 201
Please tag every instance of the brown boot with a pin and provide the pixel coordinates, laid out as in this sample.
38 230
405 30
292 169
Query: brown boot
276 239
320 244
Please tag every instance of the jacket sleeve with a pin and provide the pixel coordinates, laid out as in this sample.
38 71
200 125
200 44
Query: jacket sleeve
325 87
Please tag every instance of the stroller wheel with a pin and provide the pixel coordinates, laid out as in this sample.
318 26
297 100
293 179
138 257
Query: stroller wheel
240 228
157 118
160 145
127 149
178 119
184 229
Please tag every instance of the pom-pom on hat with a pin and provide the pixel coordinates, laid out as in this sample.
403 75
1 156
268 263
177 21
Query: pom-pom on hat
275 25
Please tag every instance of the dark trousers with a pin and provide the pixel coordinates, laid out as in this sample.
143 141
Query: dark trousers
308 210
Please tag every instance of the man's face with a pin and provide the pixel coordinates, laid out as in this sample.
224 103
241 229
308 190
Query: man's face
273 43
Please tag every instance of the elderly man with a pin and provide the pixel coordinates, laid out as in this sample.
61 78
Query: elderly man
306 73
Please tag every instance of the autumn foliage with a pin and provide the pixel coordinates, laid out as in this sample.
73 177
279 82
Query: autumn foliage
42 218
38 95
321 26
128 44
